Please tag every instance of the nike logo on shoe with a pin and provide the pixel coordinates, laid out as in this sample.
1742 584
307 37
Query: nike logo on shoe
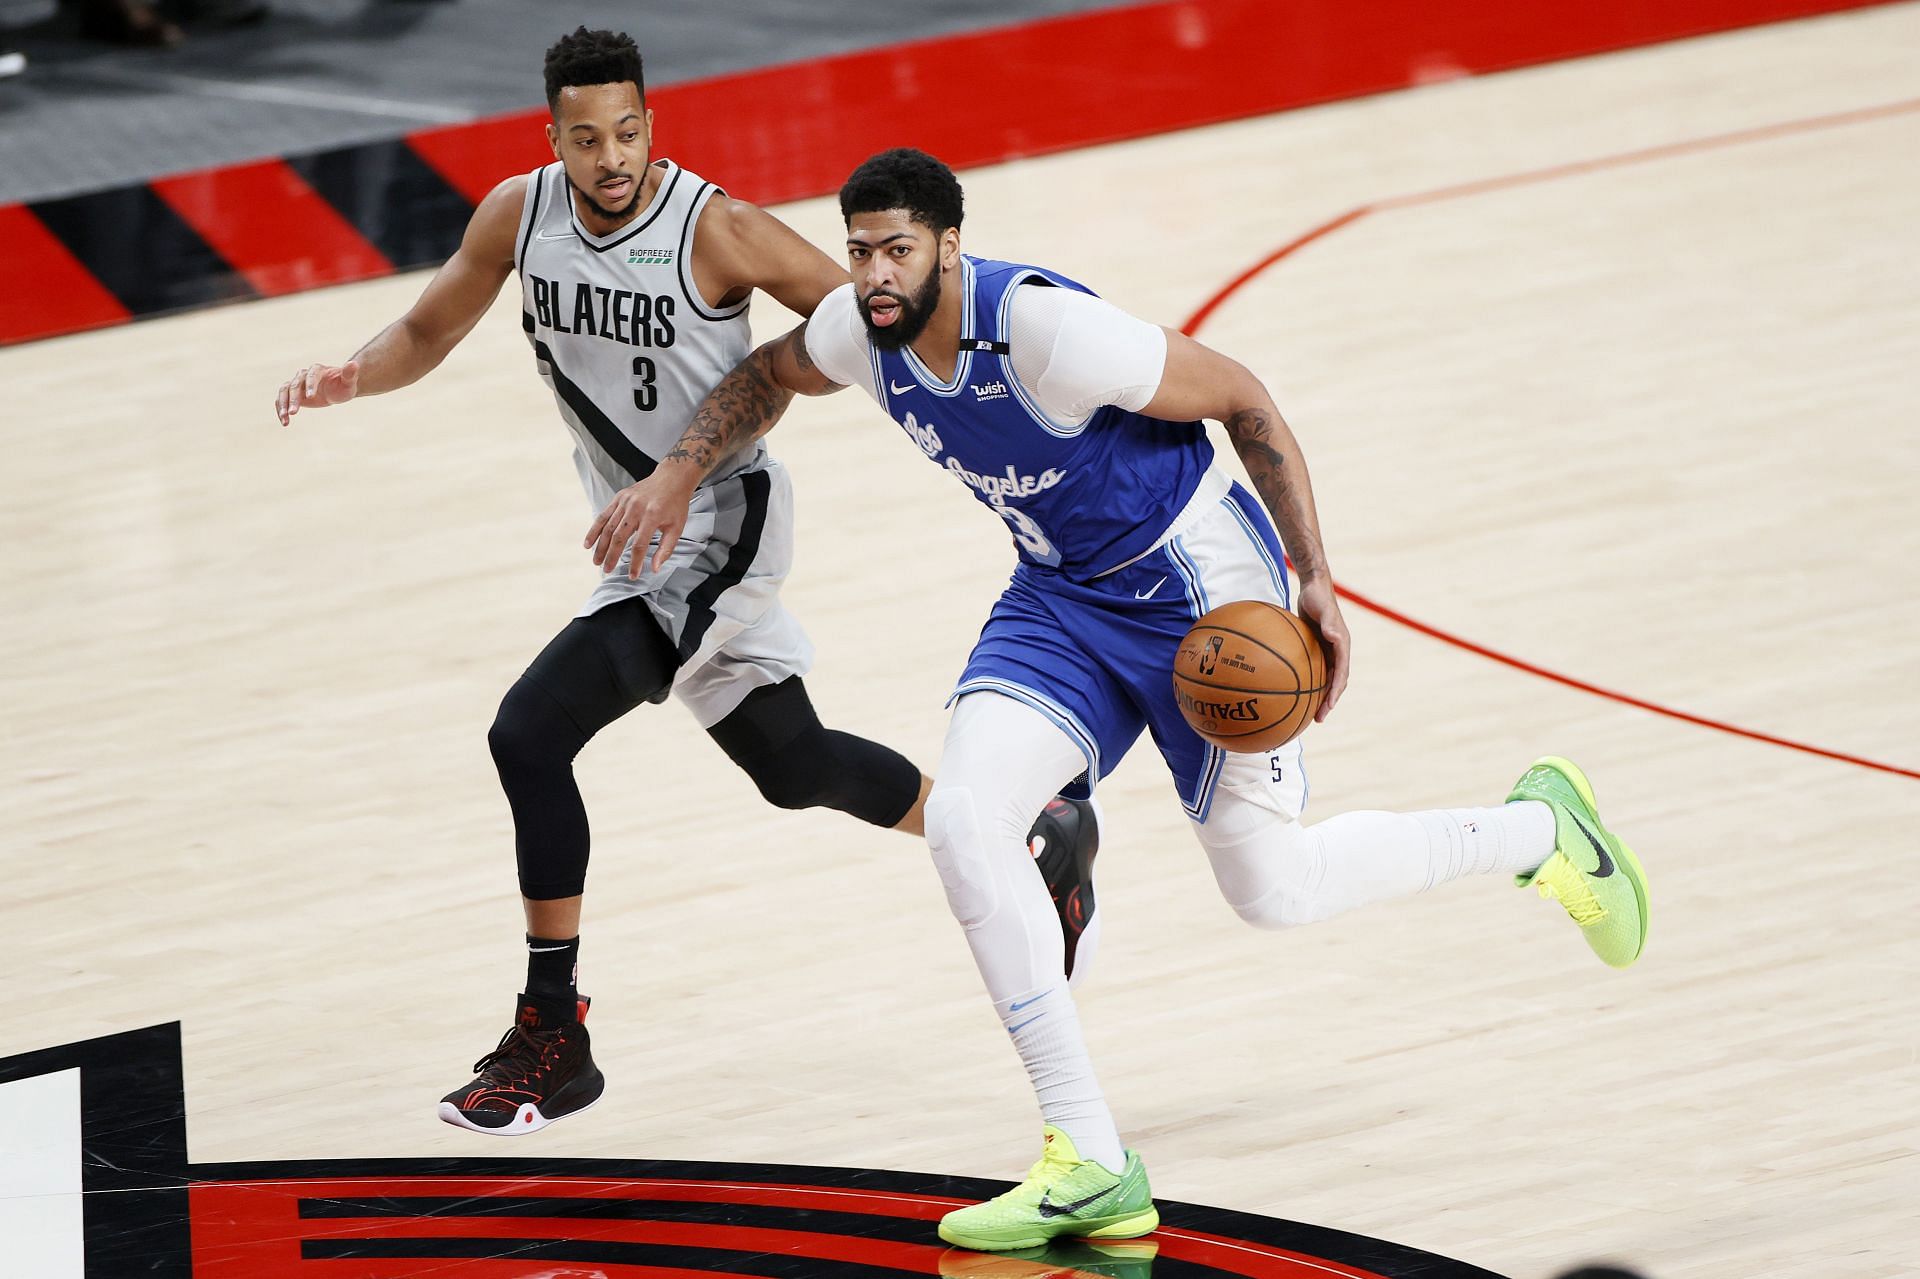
1050 1209
1151 591
1605 868
898 390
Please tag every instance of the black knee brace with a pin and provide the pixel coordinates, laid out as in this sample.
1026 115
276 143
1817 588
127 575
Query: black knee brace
777 739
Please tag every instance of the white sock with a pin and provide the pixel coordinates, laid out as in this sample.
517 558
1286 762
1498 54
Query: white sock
1276 873
1046 1032
1509 839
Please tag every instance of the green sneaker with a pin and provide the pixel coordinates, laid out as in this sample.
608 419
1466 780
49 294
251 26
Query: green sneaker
1062 1195
1595 876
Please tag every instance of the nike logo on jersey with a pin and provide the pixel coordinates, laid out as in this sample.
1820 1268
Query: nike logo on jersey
898 390
1048 1208
1151 591
542 235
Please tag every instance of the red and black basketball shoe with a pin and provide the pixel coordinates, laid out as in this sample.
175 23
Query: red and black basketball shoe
1064 843
541 1071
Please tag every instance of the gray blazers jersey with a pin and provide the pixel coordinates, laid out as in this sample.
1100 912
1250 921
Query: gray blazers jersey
626 342
619 331
630 350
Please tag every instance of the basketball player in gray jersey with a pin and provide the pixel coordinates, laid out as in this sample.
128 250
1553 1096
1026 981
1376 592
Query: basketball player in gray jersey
635 279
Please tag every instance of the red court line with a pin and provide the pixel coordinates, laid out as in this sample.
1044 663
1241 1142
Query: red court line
274 228
769 1195
1238 1257
47 291
1193 323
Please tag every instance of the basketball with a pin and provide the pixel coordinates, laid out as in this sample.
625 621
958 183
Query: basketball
1249 676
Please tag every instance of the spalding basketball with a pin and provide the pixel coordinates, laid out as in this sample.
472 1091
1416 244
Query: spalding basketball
1250 676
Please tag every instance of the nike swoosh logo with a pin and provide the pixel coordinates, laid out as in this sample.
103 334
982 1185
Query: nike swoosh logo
1017 1006
542 235
1600 850
1151 591
1050 1209
898 390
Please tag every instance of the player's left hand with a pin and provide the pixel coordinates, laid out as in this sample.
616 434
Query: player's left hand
1319 605
657 504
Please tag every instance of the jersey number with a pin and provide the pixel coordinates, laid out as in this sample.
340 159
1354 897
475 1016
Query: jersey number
1030 535
644 394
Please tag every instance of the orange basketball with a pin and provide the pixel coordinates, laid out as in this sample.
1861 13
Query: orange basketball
1249 676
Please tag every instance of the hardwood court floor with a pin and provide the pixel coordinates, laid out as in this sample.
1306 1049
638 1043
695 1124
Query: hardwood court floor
1648 425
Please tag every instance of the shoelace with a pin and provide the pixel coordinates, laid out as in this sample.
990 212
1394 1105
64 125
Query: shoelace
1566 885
519 1050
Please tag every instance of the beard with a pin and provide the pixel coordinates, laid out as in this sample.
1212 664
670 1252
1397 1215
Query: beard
914 313
610 215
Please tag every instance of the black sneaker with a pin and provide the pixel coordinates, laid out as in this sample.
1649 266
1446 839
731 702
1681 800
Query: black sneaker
541 1071
1064 843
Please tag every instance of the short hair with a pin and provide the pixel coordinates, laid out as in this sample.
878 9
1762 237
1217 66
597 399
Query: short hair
904 178
593 57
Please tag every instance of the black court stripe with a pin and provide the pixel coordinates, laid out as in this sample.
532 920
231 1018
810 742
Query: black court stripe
392 197
598 1252
141 250
757 487
624 452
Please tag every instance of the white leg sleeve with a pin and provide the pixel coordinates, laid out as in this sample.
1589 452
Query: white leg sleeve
1275 872
1003 761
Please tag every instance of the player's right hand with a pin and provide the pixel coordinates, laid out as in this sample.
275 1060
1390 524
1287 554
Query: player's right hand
317 386
656 505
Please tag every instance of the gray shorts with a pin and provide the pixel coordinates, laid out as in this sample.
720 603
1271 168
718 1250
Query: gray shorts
718 597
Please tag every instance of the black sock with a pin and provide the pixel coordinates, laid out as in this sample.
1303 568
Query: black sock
553 968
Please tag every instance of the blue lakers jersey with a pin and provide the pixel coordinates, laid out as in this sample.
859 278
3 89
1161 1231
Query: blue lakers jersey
1078 499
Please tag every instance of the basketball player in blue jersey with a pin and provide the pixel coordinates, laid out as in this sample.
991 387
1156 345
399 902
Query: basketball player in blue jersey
1080 426
635 280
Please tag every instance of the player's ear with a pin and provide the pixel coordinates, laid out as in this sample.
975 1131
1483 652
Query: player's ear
553 138
950 248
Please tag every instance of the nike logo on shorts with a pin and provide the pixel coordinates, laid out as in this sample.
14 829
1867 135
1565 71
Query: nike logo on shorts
1151 591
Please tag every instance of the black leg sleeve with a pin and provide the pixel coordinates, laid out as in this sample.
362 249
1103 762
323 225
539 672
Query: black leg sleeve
777 739
593 672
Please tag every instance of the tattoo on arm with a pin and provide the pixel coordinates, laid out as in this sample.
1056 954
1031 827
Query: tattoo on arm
743 407
1252 433
797 344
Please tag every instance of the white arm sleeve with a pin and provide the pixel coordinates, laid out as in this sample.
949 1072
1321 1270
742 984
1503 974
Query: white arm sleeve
1074 353
837 341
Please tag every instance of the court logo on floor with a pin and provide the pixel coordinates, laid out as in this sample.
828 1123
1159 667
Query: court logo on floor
95 1184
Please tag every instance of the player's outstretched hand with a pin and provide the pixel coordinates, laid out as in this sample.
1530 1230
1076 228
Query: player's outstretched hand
657 504
1319 605
317 386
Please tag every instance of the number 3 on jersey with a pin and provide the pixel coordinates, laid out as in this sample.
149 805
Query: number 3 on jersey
644 394
1029 535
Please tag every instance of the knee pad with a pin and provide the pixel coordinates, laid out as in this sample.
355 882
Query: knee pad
1257 860
957 840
